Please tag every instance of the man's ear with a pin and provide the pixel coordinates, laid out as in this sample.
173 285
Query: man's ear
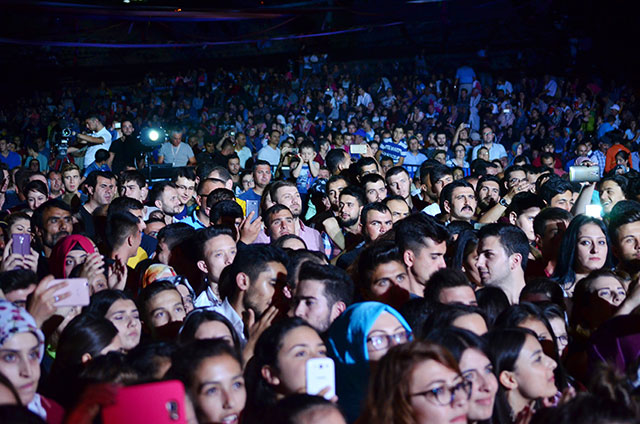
158 204
269 374
86 357
242 280
409 258
336 310
202 266
515 261
508 380
512 218
446 206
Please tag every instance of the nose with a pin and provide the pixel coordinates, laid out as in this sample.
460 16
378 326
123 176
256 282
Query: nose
227 400
25 368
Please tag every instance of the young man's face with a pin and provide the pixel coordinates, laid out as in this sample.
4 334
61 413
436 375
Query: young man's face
399 210
104 191
290 197
261 291
377 224
375 191
310 304
262 175
186 189
427 260
334 190
234 166
55 181
488 194
627 244
386 276
169 202
165 307
71 180
400 184
349 211
132 190
524 221
493 261
562 201
463 204
219 253
281 224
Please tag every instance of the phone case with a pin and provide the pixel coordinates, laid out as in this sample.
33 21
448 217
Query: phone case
21 244
79 288
157 403
321 374
253 206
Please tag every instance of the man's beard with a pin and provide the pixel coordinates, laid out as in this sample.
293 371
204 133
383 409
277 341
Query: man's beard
347 223
486 204
55 238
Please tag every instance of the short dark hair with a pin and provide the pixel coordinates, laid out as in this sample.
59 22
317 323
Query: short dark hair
447 191
36 218
225 208
92 178
624 212
412 231
621 180
442 279
220 195
252 260
513 168
335 178
131 175
203 235
174 234
120 225
512 239
124 204
443 316
365 161
158 189
17 279
394 171
102 155
149 292
549 214
356 192
185 172
436 172
377 253
277 185
272 211
523 201
333 159
375 206
370 178
337 285
554 186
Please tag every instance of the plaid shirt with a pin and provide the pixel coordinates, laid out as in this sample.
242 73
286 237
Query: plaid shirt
599 158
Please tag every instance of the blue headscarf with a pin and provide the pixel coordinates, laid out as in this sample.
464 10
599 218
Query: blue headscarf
347 342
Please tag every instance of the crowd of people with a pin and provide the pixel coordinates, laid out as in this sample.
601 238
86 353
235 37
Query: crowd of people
465 247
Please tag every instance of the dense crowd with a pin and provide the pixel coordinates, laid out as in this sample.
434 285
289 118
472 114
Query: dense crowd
460 246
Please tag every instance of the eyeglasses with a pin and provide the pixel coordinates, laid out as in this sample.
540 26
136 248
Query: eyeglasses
384 341
445 395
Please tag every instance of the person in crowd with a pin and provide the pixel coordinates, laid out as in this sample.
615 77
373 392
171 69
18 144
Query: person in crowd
624 229
585 248
160 304
164 198
450 285
382 275
121 310
50 222
612 190
36 193
100 187
361 336
456 315
418 382
261 177
176 152
205 324
71 181
374 187
215 249
458 201
322 293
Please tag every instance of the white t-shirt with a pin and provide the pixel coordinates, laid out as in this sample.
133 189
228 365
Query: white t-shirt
90 154
270 154
177 156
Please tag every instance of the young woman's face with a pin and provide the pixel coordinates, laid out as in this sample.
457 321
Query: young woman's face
560 331
35 199
298 346
385 332
430 376
609 289
534 371
591 249
123 313
74 258
476 368
537 327
219 389
214 330
471 322
20 363
21 226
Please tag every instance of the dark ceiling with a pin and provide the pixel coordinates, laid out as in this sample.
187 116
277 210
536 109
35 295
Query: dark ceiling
49 39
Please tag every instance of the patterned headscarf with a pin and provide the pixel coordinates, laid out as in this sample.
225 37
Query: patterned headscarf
15 320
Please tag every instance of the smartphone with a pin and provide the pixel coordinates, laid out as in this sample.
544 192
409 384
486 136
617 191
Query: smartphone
158 403
117 125
79 289
21 244
582 174
358 149
321 373
253 206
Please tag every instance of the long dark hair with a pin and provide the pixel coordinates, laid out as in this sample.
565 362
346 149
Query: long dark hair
102 301
84 334
197 317
565 272
260 394
504 347
515 315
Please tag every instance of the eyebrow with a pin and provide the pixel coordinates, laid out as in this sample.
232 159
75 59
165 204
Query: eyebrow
205 383
535 353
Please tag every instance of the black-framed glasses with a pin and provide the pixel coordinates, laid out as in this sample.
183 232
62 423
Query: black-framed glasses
384 341
445 395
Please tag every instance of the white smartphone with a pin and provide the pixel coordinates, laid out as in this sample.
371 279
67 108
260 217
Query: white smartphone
321 373
358 149
594 211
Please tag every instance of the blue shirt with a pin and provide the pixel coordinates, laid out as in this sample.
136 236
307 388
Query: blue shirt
394 150
13 160
250 195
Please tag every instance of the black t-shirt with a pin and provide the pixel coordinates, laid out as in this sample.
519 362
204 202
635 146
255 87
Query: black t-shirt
125 150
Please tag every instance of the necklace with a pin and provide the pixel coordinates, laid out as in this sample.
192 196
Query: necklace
175 152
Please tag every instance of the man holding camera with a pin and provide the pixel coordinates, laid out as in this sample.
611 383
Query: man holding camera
100 138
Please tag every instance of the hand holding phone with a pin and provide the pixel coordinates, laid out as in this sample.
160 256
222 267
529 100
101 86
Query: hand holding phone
21 244
77 290
321 374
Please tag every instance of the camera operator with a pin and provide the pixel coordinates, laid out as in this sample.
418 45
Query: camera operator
100 138
123 151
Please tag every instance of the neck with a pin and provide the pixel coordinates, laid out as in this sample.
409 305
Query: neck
121 253
202 217
168 219
514 286
236 302
409 201
414 286
517 402
91 206
258 190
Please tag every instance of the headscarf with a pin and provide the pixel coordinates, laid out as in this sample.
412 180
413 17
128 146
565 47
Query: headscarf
157 272
347 342
15 320
62 248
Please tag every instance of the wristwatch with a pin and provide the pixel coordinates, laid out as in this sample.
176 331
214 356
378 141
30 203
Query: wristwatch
504 203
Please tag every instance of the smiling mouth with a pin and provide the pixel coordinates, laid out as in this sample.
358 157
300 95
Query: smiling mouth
230 419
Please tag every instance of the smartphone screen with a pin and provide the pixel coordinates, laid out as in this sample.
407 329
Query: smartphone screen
253 206
21 244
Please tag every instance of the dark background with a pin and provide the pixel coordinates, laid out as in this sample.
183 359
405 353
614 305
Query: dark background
536 36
